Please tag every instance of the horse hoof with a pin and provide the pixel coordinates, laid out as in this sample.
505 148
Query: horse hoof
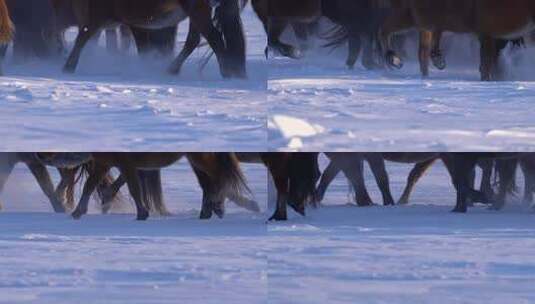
278 218
459 210
142 217
69 70
76 215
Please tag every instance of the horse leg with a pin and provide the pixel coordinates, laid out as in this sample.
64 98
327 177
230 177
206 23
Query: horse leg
529 181
6 167
109 193
397 21
42 176
436 53
276 29
3 51
201 17
377 164
489 58
95 177
416 173
424 54
192 42
356 177
326 179
232 29
84 35
134 187
368 60
281 212
486 179
207 208
461 166
355 46
506 169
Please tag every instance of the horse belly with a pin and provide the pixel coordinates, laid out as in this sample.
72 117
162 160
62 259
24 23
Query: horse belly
165 21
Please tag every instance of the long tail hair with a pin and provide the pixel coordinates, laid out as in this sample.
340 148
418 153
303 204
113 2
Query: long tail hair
225 173
151 188
6 25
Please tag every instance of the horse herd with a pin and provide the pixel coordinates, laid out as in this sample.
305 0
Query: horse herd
375 26
297 178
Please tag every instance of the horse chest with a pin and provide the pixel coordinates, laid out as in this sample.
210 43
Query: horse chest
166 20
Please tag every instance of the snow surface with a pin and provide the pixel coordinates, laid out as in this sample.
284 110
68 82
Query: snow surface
398 110
116 102
339 253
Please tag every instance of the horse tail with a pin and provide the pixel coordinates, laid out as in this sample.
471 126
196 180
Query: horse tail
6 25
151 188
69 188
230 179
304 173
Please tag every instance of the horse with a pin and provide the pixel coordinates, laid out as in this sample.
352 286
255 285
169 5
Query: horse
491 20
228 45
460 166
222 176
6 29
109 193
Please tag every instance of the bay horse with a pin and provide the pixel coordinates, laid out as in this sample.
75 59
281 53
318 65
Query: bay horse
491 20
109 193
228 45
221 170
6 30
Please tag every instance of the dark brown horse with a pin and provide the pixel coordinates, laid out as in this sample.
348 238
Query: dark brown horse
489 19
222 176
228 45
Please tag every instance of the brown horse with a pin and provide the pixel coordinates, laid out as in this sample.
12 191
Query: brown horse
228 46
221 171
489 19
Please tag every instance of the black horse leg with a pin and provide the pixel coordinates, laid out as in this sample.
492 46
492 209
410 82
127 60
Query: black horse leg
354 50
42 176
232 28
84 35
90 185
377 165
192 42
436 53
3 51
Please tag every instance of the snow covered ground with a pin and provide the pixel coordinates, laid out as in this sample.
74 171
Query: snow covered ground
419 253
122 103
398 110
